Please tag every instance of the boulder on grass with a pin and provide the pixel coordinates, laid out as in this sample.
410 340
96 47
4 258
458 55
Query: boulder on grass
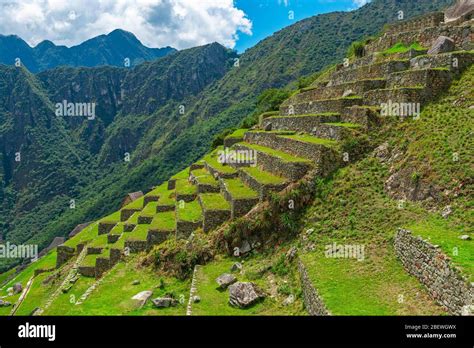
243 295
142 297
163 302
443 44
17 288
226 279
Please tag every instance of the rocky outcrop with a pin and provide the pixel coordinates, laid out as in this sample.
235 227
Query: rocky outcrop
243 295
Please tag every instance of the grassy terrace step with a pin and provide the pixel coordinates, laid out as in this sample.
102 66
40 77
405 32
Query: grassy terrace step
156 193
437 79
132 221
215 209
412 95
161 228
372 71
107 223
277 162
185 190
216 168
335 105
137 240
235 137
130 209
189 218
295 147
315 93
147 213
241 197
299 123
204 181
261 181
166 202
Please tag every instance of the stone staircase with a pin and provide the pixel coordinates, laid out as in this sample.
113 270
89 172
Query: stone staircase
305 135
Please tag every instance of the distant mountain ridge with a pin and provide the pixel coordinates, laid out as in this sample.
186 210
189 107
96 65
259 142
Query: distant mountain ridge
116 48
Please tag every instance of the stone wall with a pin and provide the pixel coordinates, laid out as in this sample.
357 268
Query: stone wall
399 95
87 271
365 116
65 253
102 265
298 124
320 106
126 213
185 228
426 21
365 72
157 237
214 218
434 270
229 141
435 80
135 246
106 227
456 62
312 301
291 170
462 36
263 190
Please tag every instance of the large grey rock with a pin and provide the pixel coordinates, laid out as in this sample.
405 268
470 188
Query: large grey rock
443 44
163 302
142 297
17 288
446 211
243 295
226 279
459 9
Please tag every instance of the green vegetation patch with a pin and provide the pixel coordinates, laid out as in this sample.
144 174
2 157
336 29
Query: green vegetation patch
140 232
239 133
212 159
263 177
115 217
136 204
214 201
89 260
118 229
275 153
313 140
134 218
164 221
189 211
184 174
402 48
238 190
204 177
343 124
184 187
149 210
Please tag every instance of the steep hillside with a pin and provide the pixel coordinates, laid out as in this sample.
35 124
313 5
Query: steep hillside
111 49
329 206
150 124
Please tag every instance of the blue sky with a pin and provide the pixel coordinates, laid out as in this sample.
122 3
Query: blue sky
269 16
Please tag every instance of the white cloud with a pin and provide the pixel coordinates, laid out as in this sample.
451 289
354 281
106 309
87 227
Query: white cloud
157 23
360 3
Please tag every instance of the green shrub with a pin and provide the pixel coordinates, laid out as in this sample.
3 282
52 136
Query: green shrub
357 49
280 268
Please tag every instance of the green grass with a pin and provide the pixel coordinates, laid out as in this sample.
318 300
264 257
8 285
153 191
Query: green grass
136 204
313 140
184 187
327 114
213 160
89 233
214 201
140 232
343 124
216 302
158 191
149 210
115 217
263 177
402 48
238 190
239 133
203 177
164 221
118 229
89 260
190 211
114 294
272 152
134 218
184 174
438 232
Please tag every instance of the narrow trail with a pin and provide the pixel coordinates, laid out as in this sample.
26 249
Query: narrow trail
23 295
192 292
